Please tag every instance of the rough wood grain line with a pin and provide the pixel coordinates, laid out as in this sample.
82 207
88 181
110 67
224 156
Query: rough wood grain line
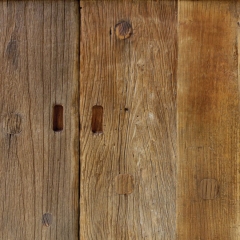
208 119
135 81
39 167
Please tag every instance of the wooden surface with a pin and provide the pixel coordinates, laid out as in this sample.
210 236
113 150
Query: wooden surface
39 167
119 120
208 120
134 80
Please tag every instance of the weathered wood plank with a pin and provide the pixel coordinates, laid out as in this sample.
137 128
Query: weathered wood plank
134 80
208 121
39 167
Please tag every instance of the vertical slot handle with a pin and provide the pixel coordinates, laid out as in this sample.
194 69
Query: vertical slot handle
58 118
97 119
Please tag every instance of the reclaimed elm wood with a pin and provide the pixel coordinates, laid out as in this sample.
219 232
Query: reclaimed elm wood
159 118
208 120
134 80
39 52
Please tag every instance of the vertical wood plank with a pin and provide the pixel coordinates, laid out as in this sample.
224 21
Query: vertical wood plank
208 121
39 167
133 77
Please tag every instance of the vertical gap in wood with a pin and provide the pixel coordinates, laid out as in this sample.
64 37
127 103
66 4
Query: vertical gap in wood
237 11
79 122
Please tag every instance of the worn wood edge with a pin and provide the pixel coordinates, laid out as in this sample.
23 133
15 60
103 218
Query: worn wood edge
135 1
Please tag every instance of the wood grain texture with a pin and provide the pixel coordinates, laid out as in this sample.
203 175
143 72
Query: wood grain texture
208 119
134 80
128 93
39 54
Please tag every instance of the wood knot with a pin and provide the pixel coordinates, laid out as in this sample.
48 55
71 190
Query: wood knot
123 30
12 123
124 184
47 219
208 189
12 51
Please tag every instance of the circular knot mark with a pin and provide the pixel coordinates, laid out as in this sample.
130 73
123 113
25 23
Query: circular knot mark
12 123
47 219
123 30
124 184
209 188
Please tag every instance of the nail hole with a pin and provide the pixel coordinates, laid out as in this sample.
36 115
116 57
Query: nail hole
47 219
97 119
58 118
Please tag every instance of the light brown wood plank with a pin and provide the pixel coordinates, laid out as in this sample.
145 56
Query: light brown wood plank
39 167
134 80
208 121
